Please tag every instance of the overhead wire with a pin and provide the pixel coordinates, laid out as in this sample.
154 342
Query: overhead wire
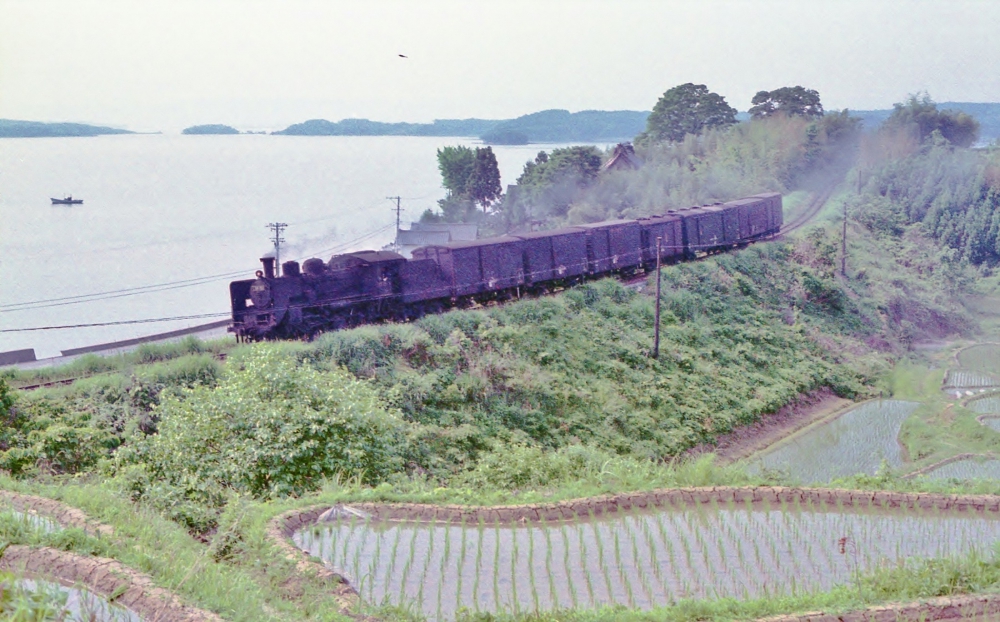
159 287
117 323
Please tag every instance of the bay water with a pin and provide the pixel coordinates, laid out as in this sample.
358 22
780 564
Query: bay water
186 215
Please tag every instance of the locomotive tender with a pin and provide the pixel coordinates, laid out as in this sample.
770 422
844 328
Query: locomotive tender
371 286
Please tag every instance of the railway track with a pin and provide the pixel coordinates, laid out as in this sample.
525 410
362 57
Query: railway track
221 357
815 205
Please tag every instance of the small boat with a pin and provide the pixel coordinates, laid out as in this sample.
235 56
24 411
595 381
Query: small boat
67 201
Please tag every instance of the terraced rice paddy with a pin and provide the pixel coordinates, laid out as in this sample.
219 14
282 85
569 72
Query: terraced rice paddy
985 405
981 357
966 379
637 559
80 605
856 442
967 469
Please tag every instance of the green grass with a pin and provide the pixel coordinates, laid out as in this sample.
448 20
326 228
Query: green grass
237 573
89 365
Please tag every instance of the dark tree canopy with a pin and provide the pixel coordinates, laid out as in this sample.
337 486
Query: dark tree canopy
920 112
788 100
686 109
484 182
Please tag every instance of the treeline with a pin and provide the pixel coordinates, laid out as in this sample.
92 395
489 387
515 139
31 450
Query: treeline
917 171
692 151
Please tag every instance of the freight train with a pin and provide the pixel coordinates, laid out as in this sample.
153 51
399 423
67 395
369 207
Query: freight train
372 286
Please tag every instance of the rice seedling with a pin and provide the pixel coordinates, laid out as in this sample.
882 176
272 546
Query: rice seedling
496 567
513 572
547 532
584 554
574 597
444 559
427 565
461 565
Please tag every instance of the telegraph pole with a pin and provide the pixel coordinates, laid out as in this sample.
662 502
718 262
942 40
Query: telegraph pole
277 228
656 326
398 210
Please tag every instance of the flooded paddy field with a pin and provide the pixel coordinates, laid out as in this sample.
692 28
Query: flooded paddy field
967 469
29 521
855 442
987 405
75 604
638 559
965 379
980 357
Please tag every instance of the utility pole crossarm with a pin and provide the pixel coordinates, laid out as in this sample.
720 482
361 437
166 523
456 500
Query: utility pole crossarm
277 228
398 209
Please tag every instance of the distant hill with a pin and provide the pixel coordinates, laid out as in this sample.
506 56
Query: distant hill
988 115
32 129
550 126
365 127
544 126
215 128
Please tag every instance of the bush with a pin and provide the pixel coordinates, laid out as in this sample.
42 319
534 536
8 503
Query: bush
270 428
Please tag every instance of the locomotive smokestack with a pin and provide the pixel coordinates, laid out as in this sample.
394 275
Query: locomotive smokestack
268 267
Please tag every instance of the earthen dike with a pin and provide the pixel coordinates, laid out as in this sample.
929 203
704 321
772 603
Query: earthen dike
104 577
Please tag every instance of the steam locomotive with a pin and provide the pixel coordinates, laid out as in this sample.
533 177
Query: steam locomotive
371 286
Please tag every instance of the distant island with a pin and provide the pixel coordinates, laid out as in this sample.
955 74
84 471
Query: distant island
214 128
10 128
544 126
364 127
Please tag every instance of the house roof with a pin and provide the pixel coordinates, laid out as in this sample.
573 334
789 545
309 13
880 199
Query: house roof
623 157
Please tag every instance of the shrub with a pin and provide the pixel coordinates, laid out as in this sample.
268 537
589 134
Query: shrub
270 428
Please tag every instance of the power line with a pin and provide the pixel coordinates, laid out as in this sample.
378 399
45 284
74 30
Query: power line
117 323
158 287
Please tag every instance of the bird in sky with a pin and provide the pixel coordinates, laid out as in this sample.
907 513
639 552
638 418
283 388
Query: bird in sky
403 56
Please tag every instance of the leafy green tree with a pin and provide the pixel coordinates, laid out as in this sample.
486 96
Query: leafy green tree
789 100
470 177
483 185
921 113
456 165
686 109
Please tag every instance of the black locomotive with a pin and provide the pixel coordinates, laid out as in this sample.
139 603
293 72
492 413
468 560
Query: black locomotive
371 286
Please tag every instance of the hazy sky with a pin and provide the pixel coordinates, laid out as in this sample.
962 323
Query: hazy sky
163 65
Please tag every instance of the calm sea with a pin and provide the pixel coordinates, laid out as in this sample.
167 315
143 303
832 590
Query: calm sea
184 215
